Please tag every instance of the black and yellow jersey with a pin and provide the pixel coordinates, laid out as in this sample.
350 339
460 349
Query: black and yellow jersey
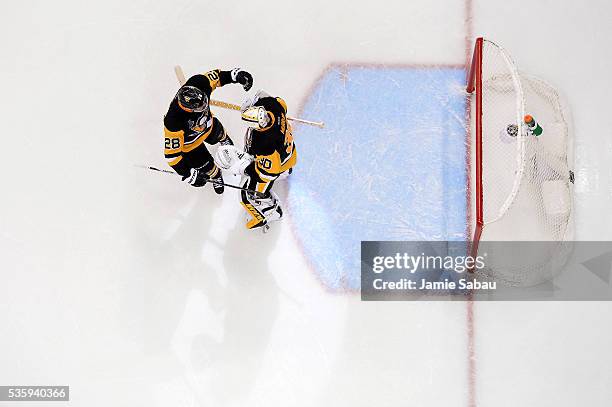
272 147
185 131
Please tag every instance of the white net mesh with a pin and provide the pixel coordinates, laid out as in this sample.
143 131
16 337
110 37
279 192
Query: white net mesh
526 188
502 113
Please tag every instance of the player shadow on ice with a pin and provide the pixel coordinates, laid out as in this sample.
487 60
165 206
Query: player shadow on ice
168 243
227 369
196 299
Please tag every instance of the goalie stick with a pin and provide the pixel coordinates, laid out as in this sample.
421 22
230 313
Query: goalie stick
150 167
180 75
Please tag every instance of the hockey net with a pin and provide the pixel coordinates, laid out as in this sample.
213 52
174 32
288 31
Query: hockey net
521 184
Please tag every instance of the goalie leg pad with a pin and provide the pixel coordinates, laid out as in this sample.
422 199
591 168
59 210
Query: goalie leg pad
261 210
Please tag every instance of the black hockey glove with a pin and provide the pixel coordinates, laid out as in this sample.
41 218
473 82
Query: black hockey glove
197 178
242 77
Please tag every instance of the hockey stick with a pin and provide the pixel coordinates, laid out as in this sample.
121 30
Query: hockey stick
149 167
180 75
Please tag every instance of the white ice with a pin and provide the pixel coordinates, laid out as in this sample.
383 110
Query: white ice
138 291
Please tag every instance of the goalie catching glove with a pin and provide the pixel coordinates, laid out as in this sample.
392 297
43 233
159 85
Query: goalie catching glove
233 160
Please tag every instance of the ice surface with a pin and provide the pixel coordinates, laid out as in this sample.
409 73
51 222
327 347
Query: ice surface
138 291
390 165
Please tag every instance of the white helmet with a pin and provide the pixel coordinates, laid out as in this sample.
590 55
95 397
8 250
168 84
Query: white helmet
257 114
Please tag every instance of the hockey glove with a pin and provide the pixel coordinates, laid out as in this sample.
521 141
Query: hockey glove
197 178
242 77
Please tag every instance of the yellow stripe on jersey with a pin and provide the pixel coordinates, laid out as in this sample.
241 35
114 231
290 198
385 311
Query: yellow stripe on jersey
191 146
271 164
282 103
175 161
173 141
213 78
261 187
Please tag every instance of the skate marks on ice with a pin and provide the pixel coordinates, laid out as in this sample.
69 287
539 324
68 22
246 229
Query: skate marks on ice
390 165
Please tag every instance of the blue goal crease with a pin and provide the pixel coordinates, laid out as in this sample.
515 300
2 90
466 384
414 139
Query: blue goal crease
389 165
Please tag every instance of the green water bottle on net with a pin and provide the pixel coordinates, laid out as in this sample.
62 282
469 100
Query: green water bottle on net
533 126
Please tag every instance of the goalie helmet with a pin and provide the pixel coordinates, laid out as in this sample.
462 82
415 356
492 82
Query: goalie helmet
192 99
257 114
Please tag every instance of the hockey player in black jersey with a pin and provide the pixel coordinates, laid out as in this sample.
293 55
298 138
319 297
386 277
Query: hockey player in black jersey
189 123
269 153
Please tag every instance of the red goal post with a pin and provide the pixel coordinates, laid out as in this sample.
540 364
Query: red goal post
475 84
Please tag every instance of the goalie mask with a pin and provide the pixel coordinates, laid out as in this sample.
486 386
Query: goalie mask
192 99
259 115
